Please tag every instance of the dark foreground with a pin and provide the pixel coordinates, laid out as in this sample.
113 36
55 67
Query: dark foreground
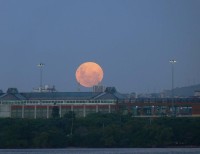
99 131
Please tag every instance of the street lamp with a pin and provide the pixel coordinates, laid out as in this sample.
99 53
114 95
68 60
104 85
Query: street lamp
40 65
172 91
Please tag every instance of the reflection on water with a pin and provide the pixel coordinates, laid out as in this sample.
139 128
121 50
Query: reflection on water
104 151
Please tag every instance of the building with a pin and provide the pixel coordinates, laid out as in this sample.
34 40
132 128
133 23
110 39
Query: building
46 88
156 107
40 104
98 88
197 93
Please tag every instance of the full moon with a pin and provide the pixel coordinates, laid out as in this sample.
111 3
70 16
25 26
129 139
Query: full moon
89 74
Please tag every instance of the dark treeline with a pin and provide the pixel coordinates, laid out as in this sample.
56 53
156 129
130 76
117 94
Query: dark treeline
99 130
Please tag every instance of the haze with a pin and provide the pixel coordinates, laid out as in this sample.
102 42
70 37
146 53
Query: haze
132 40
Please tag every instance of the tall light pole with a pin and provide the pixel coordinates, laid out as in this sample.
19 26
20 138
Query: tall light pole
40 65
172 91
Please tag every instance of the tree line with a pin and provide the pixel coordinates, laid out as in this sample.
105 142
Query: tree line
99 130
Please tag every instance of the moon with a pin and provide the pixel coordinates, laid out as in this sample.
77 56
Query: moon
89 74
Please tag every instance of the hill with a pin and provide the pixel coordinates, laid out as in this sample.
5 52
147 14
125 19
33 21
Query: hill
187 91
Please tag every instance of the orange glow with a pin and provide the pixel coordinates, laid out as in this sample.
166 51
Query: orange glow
89 74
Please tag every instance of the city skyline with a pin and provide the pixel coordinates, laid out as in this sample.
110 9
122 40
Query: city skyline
133 41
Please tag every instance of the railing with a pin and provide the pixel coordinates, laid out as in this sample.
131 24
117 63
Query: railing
26 102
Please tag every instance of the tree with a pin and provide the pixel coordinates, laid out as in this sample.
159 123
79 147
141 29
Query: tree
55 111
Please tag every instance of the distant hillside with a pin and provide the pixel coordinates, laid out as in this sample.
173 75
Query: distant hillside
183 91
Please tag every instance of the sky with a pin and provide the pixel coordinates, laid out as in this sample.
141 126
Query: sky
132 40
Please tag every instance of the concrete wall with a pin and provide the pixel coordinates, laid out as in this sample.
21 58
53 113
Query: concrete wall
45 111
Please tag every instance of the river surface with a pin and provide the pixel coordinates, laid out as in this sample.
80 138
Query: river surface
104 151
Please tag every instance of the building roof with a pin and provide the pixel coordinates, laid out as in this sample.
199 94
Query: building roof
13 94
59 95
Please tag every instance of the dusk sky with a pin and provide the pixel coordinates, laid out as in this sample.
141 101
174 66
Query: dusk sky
132 40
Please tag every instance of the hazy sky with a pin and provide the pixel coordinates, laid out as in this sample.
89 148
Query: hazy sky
133 41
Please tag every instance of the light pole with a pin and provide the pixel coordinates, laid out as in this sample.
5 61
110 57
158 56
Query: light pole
172 91
40 65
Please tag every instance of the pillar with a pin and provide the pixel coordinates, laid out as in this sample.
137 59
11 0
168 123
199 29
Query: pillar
35 112
60 111
84 111
22 111
97 108
109 108
47 111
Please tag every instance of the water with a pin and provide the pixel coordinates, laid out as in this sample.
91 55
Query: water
104 151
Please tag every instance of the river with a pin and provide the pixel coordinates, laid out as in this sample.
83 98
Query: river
103 151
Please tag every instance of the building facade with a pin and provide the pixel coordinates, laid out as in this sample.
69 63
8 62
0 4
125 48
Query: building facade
40 104
157 107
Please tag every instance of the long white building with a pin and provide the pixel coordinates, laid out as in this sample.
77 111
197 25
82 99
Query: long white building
40 105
